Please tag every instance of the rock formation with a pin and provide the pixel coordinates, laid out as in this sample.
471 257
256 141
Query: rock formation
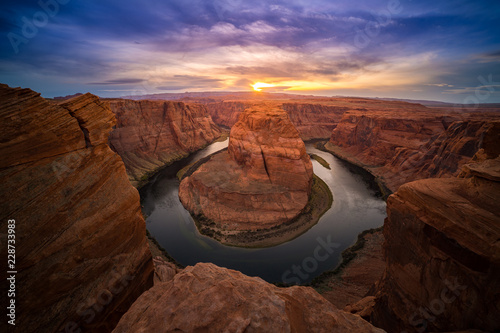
312 120
403 146
442 252
263 179
81 253
207 298
150 134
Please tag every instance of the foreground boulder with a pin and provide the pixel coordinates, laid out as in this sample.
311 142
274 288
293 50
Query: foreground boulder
263 180
81 253
207 298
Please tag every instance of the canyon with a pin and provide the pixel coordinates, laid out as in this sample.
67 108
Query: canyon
151 134
83 260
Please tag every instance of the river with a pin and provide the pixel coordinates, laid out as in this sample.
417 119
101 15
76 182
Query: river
355 208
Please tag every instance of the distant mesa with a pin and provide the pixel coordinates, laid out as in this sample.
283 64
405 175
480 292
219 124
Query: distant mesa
63 98
262 181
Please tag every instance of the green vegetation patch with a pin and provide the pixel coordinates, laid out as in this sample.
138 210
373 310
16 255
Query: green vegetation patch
321 161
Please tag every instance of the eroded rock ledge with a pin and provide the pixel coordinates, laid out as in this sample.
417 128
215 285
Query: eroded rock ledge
207 298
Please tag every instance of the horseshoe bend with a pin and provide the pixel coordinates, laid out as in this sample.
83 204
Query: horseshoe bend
257 192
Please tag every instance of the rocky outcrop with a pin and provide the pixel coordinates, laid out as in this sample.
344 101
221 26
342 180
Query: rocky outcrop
81 253
263 180
403 146
150 134
442 253
207 298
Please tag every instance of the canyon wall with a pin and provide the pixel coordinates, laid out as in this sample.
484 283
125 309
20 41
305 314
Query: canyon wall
150 134
402 146
81 253
442 252
312 120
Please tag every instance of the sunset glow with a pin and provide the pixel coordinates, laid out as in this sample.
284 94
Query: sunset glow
326 48
259 85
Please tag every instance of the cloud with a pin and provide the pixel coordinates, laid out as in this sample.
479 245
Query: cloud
228 44
439 85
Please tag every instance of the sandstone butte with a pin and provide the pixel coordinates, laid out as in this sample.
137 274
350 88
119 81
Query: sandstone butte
82 256
263 179
151 134
442 252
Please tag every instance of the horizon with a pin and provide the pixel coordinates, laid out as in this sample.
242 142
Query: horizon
444 52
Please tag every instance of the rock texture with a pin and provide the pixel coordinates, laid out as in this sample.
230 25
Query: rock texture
263 180
207 298
442 252
403 146
150 134
314 121
81 253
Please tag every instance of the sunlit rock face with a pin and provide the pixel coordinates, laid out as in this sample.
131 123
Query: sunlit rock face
82 256
262 180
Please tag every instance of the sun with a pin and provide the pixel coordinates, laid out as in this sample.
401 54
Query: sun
259 85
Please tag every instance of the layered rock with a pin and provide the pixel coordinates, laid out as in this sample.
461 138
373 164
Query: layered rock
312 120
442 253
263 179
81 252
150 134
404 146
212 299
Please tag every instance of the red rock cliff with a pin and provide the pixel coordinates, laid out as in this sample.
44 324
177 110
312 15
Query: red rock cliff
404 146
150 134
442 253
82 256
262 181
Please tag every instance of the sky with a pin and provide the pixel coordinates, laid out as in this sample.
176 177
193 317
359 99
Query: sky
417 49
